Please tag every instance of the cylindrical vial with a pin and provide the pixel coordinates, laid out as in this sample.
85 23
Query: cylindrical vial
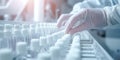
35 45
21 48
6 54
44 56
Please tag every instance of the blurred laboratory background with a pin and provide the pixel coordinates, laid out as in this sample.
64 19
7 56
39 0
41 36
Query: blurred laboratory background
28 31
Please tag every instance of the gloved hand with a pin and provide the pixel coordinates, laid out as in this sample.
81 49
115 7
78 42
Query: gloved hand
86 19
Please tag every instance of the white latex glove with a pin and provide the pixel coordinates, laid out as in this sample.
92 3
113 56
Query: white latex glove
86 19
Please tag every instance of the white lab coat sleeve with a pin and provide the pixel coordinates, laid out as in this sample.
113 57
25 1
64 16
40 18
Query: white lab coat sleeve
112 15
85 4
77 7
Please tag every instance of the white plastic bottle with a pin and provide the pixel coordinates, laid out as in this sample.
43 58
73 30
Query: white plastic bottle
21 51
6 54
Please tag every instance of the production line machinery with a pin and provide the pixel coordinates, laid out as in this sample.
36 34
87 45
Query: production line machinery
44 41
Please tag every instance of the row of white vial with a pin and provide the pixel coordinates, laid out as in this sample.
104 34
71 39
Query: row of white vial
36 45
11 33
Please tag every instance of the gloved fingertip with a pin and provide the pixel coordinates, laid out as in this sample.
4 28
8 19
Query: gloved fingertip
71 33
58 26
66 32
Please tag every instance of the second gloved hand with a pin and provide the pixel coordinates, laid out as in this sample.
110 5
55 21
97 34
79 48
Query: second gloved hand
86 19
